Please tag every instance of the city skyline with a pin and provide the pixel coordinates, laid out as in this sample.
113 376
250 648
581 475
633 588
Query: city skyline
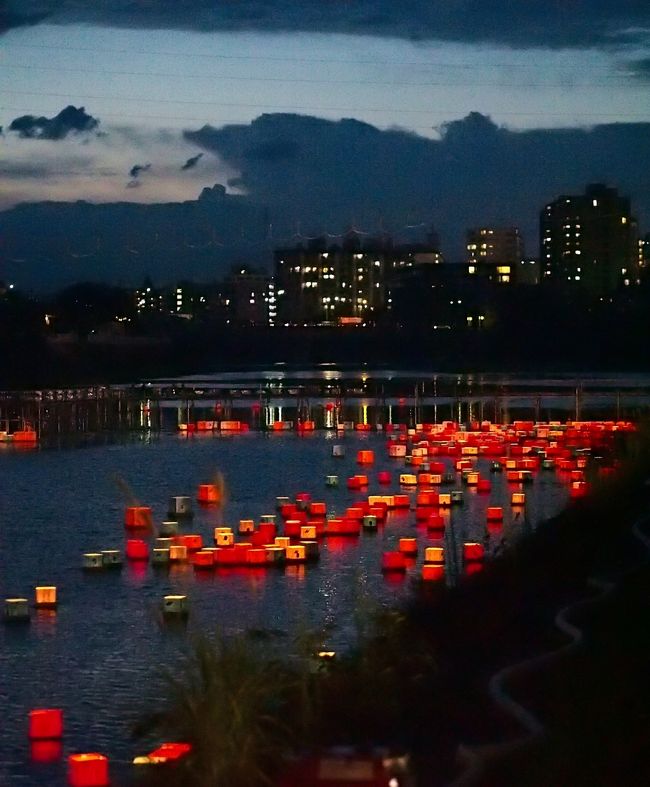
365 115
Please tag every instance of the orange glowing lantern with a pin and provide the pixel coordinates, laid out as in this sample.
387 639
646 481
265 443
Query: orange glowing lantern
138 516
296 553
408 546
434 555
45 597
177 553
208 494
494 514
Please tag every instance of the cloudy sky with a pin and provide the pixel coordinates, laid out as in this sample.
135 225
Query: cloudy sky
151 100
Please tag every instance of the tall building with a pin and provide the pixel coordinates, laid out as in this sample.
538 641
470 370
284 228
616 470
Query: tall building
323 284
589 239
494 253
340 284
251 297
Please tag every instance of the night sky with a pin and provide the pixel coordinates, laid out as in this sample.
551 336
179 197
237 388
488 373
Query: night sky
330 113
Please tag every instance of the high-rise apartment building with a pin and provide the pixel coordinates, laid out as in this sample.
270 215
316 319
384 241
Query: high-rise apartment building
340 284
495 253
589 239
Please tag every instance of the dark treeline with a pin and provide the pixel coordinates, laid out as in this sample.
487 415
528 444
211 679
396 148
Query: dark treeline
75 339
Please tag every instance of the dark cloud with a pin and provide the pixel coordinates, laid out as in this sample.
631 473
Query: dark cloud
134 173
69 121
192 162
640 68
520 23
137 169
350 172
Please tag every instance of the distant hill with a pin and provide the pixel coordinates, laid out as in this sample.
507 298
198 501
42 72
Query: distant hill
47 245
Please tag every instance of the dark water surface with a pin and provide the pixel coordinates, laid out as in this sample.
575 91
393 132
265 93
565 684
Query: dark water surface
98 655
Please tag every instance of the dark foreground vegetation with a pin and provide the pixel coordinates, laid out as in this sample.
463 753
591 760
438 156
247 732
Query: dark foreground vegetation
417 678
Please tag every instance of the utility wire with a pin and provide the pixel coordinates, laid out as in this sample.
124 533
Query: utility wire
281 58
309 81
311 107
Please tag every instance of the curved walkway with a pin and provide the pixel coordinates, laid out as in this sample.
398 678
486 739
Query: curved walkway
475 760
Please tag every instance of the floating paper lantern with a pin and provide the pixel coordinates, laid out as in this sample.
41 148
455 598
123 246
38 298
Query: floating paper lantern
92 561
138 516
208 494
295 553
180 506
434 555
45 596
45 724
175 605
393 561
160 555
177 553
192 541
408 546
137 549
365 457
223 537
203 559
88 770
246 526
16 610
494 514
432 572
435 522
473 551
168 528
111 558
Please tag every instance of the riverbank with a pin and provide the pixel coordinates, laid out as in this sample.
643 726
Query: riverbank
423 680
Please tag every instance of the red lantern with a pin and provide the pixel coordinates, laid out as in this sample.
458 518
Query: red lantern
473 551
88 770
393 561
137 549
45 723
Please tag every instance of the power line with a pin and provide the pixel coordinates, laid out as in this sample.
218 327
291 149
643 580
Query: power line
281 58
304 80
311 107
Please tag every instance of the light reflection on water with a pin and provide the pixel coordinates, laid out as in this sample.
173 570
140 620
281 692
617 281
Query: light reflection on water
99 654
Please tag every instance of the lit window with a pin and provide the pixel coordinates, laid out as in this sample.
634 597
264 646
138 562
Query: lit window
471 269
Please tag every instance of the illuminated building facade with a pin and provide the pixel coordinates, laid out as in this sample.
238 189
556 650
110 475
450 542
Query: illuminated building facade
325 284
250 297
589 240
495 253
